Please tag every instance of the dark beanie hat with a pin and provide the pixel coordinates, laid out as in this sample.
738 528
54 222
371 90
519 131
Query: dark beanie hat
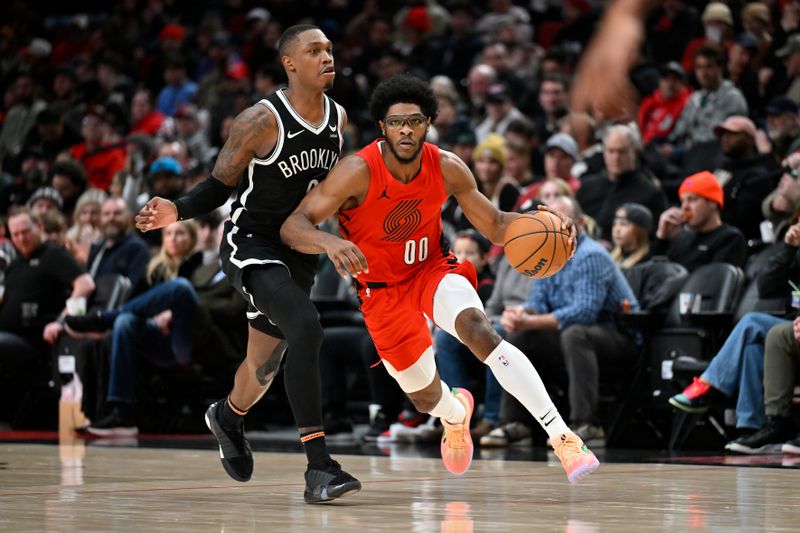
637 214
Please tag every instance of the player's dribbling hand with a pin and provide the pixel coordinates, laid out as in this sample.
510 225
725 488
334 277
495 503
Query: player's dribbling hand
347 258
566 224
157 213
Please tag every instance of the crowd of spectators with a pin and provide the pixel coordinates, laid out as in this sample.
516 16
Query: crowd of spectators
105 106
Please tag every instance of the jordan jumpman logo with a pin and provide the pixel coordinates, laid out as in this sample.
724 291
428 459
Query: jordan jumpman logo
383 194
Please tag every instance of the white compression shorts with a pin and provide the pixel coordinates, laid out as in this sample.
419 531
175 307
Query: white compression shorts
453 295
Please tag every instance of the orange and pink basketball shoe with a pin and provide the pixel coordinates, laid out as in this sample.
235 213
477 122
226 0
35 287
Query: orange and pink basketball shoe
457 444
578 461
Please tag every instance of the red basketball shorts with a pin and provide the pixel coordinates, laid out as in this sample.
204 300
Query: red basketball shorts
395 314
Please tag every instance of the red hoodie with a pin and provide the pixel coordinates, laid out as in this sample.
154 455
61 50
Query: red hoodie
658 116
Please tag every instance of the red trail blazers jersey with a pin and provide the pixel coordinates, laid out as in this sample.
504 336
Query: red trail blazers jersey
398 226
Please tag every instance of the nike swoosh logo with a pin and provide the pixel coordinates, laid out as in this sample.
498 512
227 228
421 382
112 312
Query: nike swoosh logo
332 127
546 414
293 135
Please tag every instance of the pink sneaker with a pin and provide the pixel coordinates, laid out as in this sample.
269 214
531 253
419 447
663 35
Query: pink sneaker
456 441
578 461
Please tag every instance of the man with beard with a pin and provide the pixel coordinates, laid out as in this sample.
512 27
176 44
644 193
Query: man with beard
746 176
401 182
278 150
783 128
120 251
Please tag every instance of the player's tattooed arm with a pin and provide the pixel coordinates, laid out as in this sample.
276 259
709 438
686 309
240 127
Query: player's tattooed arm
253 133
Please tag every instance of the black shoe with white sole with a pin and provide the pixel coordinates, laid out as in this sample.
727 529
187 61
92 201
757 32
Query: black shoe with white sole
114 425
327 482
768 439
234 450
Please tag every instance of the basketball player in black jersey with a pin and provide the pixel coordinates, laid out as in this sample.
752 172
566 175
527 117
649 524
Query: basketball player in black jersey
277 151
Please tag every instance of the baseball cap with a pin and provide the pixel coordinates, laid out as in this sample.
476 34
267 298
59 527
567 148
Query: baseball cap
466 137
703 184
166 164
756 10
748 41
636 214
736 124
565 143
782 104
46 193
483 243
497 92
717 12
792 45
673 67
257 13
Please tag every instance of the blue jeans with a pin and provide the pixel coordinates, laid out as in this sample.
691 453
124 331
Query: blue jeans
739 366
135 334
449 359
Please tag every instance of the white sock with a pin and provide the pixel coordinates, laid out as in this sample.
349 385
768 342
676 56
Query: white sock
517 375
449 408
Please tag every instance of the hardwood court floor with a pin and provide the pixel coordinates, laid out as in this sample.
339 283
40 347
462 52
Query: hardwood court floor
46 488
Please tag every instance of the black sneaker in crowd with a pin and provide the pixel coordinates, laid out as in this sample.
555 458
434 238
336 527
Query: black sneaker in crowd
768 439
114 425
234 450
94 321
327 482
338 430
378 425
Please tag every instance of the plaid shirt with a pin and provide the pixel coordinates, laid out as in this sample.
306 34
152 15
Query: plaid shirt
589 289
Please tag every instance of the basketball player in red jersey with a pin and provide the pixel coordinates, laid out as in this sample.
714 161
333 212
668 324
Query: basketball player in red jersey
389 198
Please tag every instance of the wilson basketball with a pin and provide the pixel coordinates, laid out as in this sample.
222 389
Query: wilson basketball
536 246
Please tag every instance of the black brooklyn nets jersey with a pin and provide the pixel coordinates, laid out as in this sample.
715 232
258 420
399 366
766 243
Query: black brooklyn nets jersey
273 187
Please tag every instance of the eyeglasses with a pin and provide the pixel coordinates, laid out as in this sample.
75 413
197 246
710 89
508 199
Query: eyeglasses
414 121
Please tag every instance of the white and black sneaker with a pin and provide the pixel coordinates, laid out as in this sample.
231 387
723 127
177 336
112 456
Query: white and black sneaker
767 440
234 450
114 425
327 482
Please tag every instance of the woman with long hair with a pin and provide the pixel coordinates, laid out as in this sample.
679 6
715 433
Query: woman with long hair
178 241
85 227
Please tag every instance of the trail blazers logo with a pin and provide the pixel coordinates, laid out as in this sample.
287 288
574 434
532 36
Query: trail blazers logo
401 221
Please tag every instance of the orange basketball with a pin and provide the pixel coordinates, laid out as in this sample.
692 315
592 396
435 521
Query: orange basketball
536 246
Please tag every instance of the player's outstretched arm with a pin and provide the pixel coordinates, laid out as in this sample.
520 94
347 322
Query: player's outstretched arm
602 84
253 132
345 186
